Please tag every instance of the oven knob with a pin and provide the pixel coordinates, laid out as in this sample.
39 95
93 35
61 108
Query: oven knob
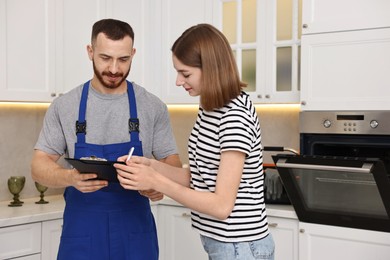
327 123
374 124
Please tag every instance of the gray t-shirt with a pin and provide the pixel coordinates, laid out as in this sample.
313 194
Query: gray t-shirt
107 122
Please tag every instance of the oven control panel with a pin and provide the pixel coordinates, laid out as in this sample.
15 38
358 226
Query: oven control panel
371 122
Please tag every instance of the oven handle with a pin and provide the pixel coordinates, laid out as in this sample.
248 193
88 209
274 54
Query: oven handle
366 168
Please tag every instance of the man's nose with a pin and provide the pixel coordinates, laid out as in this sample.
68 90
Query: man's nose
113 68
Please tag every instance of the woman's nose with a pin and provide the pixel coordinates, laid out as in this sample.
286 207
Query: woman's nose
179 80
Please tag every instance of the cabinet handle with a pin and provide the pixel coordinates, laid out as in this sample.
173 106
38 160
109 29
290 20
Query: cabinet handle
303 102
186 215
302 230
274 225
267 96
259 96
305 26
53 94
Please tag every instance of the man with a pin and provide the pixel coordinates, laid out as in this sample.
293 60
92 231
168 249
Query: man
104 117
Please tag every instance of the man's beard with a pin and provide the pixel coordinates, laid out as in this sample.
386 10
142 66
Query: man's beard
111 85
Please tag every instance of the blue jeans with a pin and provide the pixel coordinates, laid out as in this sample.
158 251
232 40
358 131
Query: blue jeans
258 249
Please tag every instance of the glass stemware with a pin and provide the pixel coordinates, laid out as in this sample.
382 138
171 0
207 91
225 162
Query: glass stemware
41 188
15 186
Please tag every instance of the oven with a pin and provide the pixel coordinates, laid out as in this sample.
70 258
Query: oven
342 175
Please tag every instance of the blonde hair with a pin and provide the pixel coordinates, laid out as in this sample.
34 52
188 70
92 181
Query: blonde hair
205 47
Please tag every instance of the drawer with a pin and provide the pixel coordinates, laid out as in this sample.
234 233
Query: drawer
20 240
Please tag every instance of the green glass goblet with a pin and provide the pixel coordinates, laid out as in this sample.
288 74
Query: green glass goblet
41 188
15 186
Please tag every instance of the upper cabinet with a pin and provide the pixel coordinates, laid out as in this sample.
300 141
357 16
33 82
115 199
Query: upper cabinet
171 19
265 37
320 16
345 55
27 50
43 44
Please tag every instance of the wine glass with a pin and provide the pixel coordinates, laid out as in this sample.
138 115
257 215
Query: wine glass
15 186
41 188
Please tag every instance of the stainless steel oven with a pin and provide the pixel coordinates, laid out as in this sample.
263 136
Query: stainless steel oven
342 175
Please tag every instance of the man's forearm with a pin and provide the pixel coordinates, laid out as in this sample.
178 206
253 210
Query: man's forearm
46 171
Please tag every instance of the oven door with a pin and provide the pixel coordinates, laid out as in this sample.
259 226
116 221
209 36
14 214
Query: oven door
340 191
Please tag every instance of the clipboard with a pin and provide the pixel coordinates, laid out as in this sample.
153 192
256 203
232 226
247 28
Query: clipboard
105 170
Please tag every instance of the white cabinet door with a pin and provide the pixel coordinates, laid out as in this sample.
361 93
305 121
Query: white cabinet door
285 234
74 22
178 240
29 257
51 234
346 70
20 240
320 16
322 242
173 17
27 53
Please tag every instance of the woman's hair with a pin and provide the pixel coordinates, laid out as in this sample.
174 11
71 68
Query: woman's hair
113 29
205 47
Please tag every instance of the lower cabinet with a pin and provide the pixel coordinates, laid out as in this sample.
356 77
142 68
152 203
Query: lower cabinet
285 234
51 234
33 241
177 239
20 240
322 242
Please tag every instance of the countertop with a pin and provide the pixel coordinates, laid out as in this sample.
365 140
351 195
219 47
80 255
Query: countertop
31 212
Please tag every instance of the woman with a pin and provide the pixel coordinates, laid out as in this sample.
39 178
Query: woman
224 183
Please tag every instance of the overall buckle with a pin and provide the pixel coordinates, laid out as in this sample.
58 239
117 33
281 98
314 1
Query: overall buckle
133 125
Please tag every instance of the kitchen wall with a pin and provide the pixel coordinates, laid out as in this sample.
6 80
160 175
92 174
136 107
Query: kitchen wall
20 125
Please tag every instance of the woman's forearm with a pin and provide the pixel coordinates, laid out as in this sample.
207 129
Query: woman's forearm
176 174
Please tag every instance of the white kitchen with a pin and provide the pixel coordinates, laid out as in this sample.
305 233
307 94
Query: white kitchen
298 56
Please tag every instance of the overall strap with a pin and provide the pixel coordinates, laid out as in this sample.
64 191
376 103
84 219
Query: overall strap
81 124
133 121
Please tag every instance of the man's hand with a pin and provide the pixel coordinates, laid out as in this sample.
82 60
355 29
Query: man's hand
85 182
152 195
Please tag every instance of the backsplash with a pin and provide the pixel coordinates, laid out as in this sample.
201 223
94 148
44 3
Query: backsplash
20 125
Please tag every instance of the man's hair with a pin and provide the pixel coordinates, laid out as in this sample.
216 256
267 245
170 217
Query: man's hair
113 29
205 47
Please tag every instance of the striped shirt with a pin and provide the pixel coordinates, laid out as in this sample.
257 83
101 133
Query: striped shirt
232 127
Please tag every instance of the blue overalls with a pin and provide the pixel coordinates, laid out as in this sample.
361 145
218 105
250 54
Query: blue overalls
111 223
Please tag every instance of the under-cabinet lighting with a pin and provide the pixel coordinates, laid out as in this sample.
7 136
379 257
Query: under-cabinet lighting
23 105
257 106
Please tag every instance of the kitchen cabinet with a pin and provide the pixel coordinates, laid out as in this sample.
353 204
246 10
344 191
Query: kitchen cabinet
172 18
74 22
43 44
38 240
344 58
27 50
285 234
322 242
177 239
51 235
346 70
20 240
319 16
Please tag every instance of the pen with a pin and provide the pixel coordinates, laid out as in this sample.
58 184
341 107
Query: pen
130 154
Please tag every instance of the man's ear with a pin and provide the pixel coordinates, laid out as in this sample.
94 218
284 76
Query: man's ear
90 51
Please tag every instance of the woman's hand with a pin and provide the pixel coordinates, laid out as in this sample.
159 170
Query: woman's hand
151 194
136 159
137 175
